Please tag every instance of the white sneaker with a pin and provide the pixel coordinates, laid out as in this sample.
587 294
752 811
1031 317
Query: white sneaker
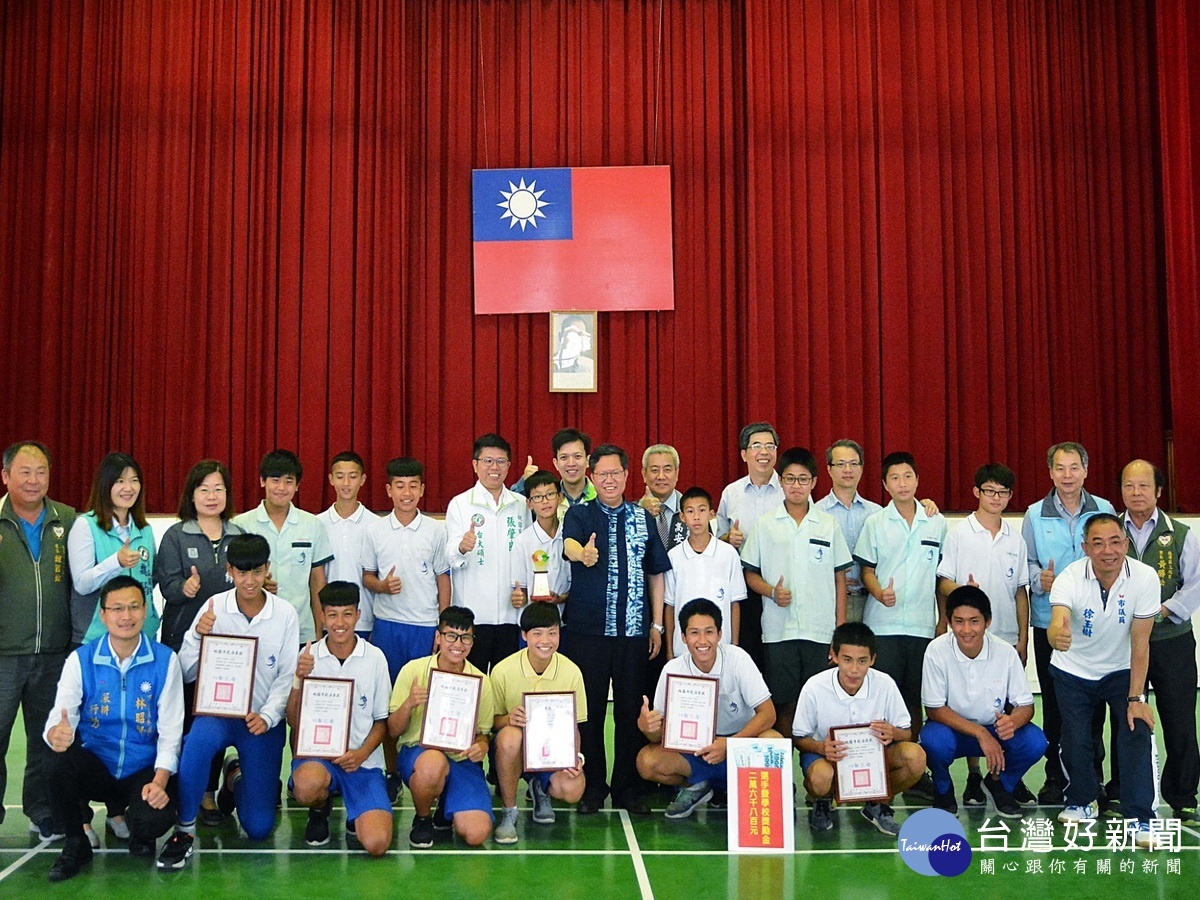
1145 838
1078 813
118 826
506 830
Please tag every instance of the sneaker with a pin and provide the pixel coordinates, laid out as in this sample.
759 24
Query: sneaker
118 826
947 802
506 829
76 854
1006 806
922 791
352 834
141 847
441 821
820 817
1146 839
176 851
973 792
719 799
1051 793
1078 813
316 832
880 815
1186 815
688 798
1023 795
233 774
93 839
395 787
47 829
420 836
543 811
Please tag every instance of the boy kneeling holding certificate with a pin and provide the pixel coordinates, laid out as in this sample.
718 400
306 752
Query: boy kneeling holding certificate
353 763
441 711
537 740
855 694
687 728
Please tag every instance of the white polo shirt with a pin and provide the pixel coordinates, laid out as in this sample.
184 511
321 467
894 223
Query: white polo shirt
1100 630
999 564
367 667
742 687
715 574
278 635
346 538
910 555
296 549
418 551
807 554
976 688
824 704
483 578
745 502
528 542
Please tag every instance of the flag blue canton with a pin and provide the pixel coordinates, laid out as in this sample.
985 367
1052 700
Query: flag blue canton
541 211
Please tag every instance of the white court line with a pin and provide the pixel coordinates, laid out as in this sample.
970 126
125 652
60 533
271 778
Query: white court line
24 859
639 865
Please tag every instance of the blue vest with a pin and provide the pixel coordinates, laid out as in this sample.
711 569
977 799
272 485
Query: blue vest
107 543
1056 539
118 718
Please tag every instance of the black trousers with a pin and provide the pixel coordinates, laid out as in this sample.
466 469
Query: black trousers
77 775
492 644
1172 674
750 633
1052 719
623 662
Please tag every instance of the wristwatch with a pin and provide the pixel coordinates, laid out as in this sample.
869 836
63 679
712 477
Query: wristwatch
1136 698
658 627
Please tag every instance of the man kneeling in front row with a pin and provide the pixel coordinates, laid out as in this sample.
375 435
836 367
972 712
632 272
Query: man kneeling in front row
744 710
115 729
978 703
851 694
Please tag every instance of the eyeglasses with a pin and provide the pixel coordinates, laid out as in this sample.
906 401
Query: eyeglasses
847 464
489 461
543 498
995 492
454 637
759 445
211 492
608 476
802 480
124 608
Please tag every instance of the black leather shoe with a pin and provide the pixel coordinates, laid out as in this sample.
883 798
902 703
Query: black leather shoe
588 806
71 862
635 804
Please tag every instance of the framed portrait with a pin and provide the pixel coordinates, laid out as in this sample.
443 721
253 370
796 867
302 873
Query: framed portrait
573 351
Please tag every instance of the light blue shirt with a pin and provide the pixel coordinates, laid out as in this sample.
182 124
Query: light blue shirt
910 555
851 520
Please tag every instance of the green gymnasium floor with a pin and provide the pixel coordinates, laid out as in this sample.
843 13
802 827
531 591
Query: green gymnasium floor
609 855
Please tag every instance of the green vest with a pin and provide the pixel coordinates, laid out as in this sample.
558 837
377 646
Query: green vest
1162 554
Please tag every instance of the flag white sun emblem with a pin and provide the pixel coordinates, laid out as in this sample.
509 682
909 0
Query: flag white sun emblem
523 203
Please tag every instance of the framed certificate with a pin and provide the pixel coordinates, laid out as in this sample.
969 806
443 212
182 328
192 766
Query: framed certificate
225 678
862 774
549 731
690 713
451 711
323 726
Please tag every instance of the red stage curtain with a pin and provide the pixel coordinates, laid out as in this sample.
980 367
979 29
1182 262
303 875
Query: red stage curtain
231 226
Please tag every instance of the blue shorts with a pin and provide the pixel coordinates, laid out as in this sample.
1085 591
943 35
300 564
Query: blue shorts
362 790
466 787
704 771
543 777
807 759
402 643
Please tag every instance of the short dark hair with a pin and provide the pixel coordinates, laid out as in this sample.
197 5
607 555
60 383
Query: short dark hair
111 468
609 450
972 596
490 440
797 456
1100 518
701 606
899 458
695 492
279 464
338 593
539 479
348 456
460 617
247 552
540 615
845 444
856 634
10 452
405 467
120 583
754 428
565 436
997 472
195 477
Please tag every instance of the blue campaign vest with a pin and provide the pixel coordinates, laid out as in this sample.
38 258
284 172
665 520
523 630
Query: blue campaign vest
107 543
1056 541
118 718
